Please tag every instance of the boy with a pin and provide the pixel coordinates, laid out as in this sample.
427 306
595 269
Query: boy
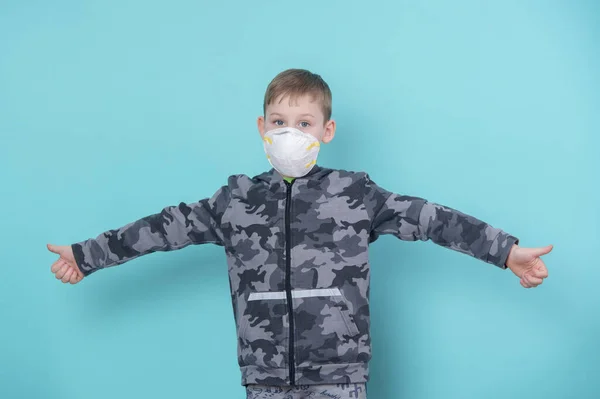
296 239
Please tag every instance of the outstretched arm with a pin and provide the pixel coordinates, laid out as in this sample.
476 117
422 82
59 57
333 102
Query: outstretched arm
173 228
413 218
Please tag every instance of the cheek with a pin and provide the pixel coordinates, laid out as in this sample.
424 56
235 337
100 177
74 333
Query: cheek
316 132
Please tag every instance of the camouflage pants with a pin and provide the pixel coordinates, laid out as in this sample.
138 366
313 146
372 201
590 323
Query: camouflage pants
326 391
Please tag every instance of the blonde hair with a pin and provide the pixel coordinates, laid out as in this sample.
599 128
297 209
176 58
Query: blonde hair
299 82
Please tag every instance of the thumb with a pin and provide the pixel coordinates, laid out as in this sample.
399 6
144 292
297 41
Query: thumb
54 248
541 251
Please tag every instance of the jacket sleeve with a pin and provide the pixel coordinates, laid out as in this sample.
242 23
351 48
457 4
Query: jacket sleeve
175 227
413 218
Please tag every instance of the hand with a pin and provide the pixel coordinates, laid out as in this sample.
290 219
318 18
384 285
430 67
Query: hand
526 264
65 268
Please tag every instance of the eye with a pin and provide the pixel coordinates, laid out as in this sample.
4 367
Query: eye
278 122
304 124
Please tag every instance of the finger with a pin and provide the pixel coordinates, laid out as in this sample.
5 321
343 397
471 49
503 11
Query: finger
61 272
74 278
53 248
524 284
540 271
57 265
67 276
532 280
541 251
526 280
78 273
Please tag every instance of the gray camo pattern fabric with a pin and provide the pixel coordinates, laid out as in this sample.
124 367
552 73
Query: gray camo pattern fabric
331 391
334 216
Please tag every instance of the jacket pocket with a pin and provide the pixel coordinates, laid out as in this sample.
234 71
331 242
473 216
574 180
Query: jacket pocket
262 333
325 329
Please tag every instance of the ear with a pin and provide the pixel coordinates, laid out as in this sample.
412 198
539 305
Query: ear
329 132
261 125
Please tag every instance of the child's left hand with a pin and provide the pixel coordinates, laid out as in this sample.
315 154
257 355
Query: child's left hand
526 264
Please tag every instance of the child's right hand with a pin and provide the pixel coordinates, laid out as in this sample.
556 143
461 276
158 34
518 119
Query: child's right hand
65 268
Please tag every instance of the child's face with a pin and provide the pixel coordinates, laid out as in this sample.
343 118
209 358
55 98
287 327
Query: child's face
304 114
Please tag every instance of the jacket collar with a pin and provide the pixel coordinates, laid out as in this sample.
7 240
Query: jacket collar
273 177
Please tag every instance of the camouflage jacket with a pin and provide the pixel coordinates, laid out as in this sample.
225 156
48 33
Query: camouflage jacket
297 256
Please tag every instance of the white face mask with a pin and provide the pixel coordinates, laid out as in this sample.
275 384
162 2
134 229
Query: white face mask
290 151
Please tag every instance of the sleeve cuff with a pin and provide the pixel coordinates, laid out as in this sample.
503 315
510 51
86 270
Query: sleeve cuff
500 249
79 256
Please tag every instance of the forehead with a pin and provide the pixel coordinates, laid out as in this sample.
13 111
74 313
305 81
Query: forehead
295 104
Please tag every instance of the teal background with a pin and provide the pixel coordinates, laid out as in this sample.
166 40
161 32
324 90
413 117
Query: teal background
111 110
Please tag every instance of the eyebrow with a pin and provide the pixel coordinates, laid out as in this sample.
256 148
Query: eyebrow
277 114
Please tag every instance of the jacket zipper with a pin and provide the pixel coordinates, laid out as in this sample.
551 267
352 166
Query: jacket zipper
288 279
